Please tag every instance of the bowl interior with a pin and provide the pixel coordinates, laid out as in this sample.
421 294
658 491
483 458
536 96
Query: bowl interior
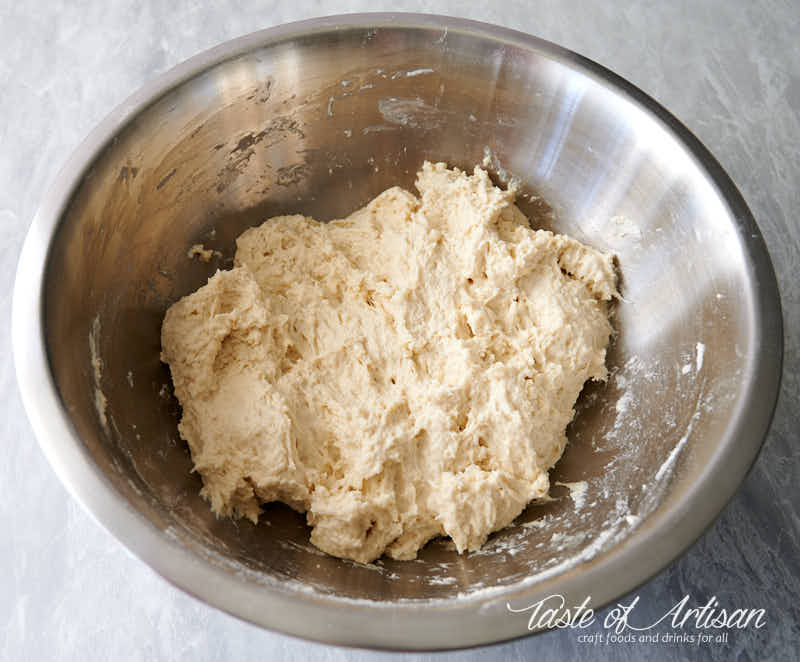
318 124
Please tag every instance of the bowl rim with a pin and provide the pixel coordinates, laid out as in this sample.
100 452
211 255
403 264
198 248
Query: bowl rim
458 623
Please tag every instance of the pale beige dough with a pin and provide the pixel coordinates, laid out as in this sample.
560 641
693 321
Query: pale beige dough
404 373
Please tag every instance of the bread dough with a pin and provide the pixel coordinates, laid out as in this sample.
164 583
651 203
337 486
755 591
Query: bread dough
403 373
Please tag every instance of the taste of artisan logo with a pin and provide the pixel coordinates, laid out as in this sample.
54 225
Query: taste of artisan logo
708 623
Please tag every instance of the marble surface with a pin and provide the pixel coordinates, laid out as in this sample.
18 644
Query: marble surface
729 69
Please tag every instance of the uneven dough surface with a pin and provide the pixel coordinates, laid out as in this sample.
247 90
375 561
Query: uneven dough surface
404 373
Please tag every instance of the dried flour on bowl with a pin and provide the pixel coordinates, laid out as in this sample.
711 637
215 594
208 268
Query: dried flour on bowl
403 373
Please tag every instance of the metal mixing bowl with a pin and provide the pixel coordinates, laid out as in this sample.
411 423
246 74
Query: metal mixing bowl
317 118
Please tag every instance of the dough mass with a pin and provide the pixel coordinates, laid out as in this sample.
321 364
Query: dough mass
404 373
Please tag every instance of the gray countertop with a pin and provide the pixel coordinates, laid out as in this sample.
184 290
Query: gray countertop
730 70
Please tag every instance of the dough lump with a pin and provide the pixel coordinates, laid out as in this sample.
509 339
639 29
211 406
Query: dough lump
403 373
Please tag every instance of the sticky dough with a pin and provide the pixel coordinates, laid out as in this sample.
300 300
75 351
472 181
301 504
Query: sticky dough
403 373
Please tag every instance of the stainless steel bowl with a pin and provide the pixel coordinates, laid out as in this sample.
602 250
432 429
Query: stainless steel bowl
317 118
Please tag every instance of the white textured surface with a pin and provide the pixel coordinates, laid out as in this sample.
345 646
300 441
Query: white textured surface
729 70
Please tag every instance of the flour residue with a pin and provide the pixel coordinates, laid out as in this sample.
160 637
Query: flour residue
668 464
100 401
701 352
577 491
622 227
492 162
412 113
